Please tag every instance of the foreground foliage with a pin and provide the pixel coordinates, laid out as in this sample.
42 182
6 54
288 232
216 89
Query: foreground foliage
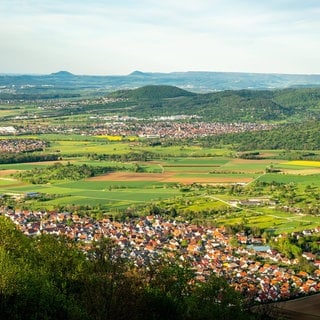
50 278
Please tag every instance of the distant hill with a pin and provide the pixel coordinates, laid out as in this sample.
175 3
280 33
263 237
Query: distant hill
192 81
62 74
138 73
153 92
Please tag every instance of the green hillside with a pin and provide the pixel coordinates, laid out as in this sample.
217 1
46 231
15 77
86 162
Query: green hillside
153 92
226 106
256 105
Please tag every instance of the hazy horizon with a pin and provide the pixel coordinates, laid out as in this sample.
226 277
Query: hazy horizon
154 72
117 37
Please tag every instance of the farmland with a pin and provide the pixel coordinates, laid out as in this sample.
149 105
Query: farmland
76 167
182 177
159 152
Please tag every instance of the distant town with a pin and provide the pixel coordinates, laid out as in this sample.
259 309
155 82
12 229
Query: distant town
162 127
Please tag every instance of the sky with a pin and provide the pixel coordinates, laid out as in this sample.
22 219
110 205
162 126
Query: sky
116 37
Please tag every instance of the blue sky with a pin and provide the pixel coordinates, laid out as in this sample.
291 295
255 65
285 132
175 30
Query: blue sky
117 37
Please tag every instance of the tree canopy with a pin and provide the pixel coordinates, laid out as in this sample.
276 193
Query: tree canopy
50 277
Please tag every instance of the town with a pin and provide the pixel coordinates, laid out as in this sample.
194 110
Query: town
249 265
152 128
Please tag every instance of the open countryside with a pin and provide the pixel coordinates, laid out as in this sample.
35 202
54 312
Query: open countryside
179 177
231 201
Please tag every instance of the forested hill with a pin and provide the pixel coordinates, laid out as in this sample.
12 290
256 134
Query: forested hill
302 136
226 106
153 92
258 105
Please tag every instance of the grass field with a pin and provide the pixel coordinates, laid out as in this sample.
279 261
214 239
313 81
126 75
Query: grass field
104 193
7 182
70 147
20 166
302 180
198 161
256 166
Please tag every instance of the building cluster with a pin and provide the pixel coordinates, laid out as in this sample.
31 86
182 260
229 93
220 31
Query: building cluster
8 130
21 145
62 105
176 126
154 128
175 129
251 267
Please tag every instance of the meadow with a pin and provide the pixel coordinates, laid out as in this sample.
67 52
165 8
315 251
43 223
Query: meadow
298 179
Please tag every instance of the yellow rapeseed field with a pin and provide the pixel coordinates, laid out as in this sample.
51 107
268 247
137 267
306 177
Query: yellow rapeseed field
111 138
306 163
118 138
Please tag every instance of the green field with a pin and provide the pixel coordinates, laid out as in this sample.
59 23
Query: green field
103 193
277 221
167 180
302 180
21 166
7 182
71 147
198 161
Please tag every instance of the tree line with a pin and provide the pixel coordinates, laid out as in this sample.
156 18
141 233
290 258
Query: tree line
59 171
8 158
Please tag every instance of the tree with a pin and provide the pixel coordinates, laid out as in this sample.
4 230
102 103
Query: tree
215 299
108 292
60 260
29 285
168 284
234 242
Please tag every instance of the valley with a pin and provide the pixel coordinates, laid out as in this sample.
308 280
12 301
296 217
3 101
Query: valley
208 177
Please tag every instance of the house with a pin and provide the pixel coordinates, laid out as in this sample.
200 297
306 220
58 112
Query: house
30 195
309 256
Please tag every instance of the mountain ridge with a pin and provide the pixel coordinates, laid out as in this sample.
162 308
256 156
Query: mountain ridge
196 81
62 73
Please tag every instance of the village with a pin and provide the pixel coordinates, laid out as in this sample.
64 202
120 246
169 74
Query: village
22 145
251 266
